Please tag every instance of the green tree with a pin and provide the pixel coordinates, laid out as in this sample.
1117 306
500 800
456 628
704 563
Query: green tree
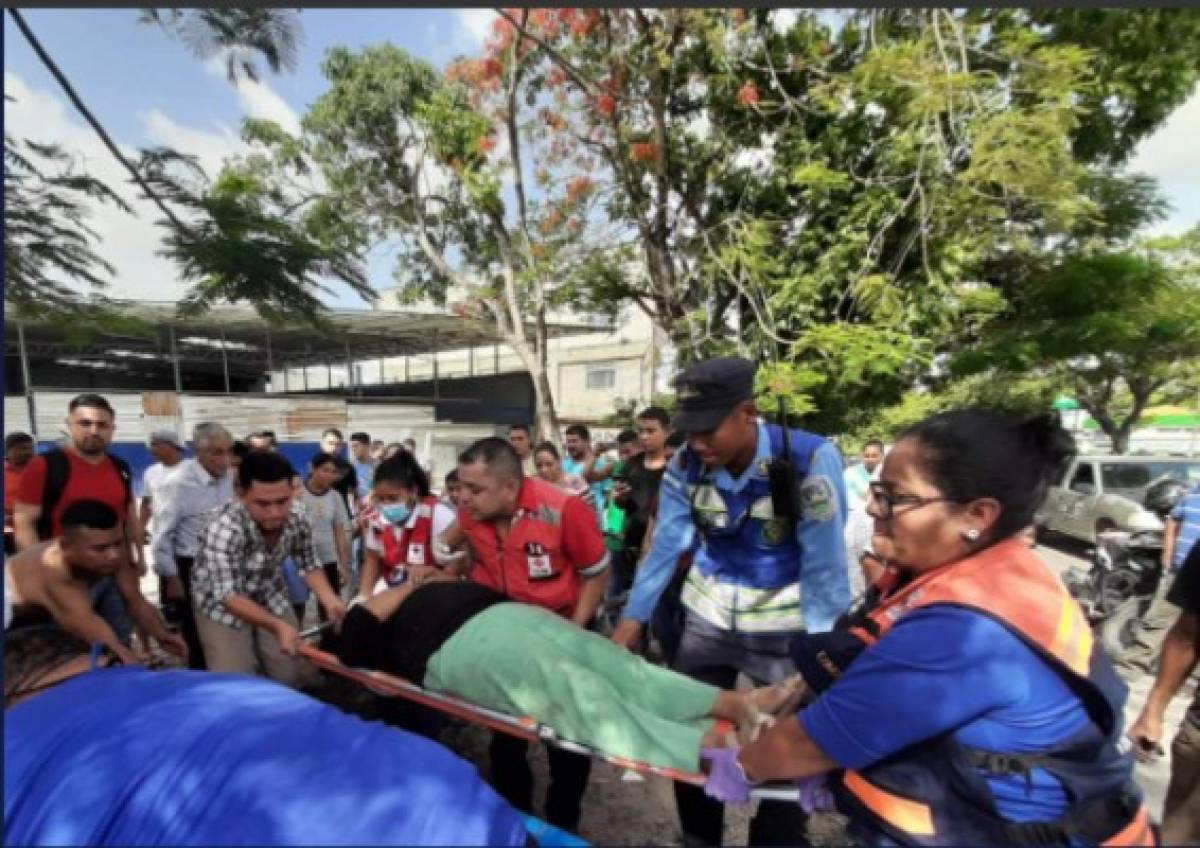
441 169
240 36
814 197
1116 328
49 249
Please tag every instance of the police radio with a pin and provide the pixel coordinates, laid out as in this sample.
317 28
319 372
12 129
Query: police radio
781 472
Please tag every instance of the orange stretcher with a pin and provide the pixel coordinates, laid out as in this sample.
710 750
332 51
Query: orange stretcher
523 727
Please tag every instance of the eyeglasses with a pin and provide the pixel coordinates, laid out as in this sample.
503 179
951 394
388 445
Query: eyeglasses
885 494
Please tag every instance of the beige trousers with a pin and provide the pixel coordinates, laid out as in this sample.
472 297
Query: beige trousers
252 650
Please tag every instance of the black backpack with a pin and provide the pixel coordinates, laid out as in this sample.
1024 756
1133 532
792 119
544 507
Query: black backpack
58 470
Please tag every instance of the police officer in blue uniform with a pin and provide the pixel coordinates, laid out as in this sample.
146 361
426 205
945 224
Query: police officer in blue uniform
759 575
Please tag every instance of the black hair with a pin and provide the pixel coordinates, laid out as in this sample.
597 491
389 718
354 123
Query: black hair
548 447
93 514
627 436
331 431
32 653
361 438
452 477
410 441
522 427
873 443
321 458
240 449
14 439
581 431
91 401
403 470
263 467
655 413
677 439
497 454
981 453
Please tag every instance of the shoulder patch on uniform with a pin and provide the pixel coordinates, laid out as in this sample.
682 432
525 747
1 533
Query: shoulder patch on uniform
817 498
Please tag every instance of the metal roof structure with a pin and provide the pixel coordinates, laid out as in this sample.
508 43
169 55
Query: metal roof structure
236 341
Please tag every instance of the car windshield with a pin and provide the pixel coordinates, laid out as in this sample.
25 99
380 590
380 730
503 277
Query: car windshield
1131 479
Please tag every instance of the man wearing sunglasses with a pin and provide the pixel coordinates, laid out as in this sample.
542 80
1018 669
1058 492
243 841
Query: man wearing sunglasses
758 577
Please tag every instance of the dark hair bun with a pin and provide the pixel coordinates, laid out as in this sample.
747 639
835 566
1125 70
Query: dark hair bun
1046 437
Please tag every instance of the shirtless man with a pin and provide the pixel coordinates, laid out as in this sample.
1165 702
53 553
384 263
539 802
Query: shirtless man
54 578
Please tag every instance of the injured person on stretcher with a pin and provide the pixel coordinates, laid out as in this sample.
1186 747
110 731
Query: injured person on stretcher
464 639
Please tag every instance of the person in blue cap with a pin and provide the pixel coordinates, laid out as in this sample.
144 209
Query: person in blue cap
95 755
760 575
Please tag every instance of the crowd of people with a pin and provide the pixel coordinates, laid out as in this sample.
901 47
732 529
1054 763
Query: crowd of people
913 663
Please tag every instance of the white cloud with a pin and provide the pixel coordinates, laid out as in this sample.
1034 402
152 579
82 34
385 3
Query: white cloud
257 99
475 25
128 242
211 148
1173 157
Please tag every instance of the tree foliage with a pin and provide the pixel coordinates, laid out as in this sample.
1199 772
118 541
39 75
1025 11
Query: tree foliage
239 243
239 36
1111 326
50 252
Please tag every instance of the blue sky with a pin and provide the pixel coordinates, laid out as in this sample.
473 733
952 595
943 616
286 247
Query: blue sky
147 89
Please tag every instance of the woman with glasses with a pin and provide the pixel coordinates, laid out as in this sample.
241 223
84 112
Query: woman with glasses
965 702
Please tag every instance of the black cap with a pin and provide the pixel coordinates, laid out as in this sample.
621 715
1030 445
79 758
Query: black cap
709 390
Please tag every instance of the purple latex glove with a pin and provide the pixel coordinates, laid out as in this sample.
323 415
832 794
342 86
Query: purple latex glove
727 781
815 796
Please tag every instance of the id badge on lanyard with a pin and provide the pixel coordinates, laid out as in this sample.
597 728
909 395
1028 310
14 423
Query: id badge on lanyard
416 553
538 561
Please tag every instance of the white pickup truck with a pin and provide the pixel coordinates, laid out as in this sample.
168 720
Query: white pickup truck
1097 493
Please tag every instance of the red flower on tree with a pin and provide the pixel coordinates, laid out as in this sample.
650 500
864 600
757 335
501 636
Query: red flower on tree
577 187
606 104
643 151
748 94
487 144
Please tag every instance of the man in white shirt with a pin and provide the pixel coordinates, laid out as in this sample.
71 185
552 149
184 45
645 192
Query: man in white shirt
167 448
190 493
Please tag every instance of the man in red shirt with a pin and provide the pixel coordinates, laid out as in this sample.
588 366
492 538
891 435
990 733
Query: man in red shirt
91 474
538 545
18 451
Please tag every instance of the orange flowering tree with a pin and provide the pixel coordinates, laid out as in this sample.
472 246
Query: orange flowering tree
457 172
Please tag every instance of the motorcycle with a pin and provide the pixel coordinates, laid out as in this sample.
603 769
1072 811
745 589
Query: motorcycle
1120 585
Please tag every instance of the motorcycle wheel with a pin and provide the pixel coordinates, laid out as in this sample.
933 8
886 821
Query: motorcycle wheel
1113 589
1116 631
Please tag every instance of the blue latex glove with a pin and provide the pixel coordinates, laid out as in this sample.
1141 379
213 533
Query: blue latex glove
815 796
727 781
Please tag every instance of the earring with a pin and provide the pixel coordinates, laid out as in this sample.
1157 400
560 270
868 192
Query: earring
971 535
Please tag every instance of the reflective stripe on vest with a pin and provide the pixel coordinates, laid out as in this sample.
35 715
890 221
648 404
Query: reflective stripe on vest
902 813
742 608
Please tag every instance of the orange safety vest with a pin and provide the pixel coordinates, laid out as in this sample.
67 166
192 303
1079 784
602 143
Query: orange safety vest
931 794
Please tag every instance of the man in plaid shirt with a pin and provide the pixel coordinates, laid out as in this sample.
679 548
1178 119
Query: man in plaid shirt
237 579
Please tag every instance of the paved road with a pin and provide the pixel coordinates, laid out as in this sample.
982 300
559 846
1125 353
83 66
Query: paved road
1062 553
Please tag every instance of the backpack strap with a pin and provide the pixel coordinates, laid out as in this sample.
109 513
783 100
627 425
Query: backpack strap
125 473
58 470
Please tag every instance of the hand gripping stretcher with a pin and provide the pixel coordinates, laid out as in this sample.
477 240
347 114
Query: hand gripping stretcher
523 727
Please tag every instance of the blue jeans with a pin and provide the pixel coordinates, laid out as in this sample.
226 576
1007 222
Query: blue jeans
109 605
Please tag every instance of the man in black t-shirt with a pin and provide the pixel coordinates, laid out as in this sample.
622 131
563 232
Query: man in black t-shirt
641 476
1180 650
